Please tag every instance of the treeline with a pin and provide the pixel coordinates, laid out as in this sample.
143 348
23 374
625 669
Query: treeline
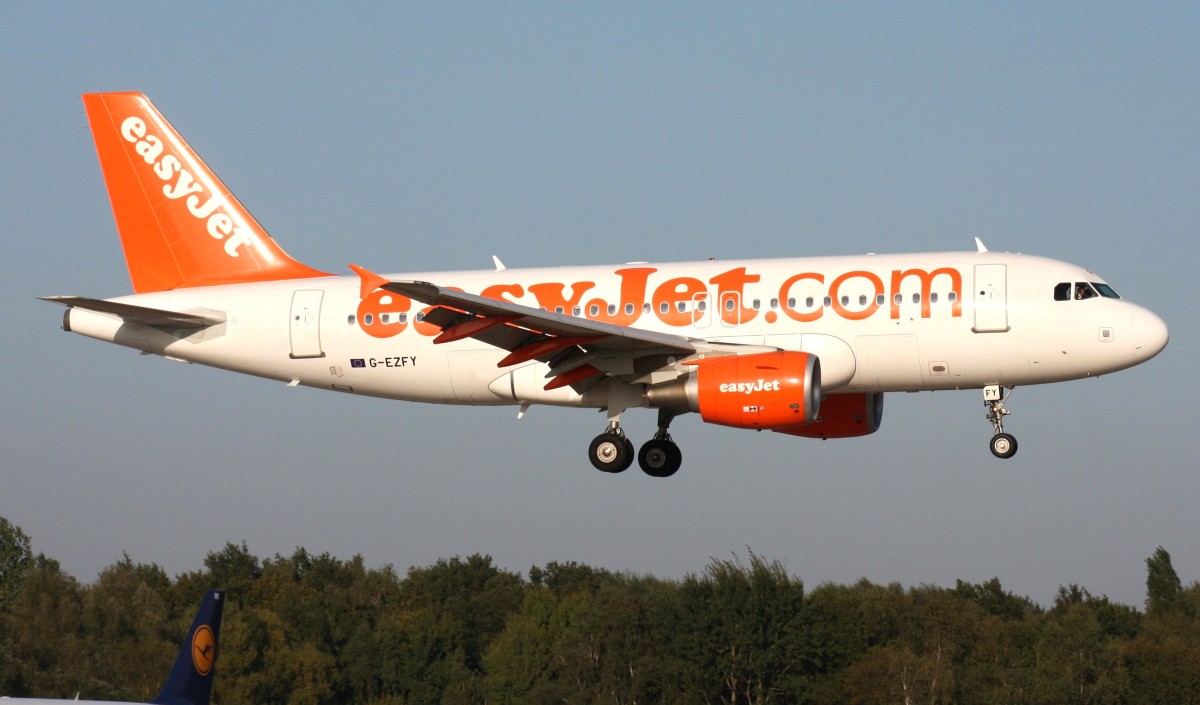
316 630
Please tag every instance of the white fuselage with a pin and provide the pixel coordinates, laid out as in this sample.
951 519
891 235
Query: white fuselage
877 323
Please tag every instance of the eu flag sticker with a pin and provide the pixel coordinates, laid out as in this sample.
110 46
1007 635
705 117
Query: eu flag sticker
358 362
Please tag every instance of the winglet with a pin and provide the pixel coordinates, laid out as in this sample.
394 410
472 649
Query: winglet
370 281
980 246
499 265
190 680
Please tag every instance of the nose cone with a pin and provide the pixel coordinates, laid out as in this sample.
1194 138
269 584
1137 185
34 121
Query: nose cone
1149 335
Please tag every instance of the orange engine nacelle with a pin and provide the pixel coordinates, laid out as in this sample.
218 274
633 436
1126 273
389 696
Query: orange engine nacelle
762 391
844 416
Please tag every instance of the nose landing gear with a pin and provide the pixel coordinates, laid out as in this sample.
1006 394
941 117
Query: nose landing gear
1003 445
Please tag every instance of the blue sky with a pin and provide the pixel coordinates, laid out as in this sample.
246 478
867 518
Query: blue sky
423 137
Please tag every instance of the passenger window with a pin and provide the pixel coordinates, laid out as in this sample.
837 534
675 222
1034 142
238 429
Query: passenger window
628 309
593 310
1062 292
933 298
880 300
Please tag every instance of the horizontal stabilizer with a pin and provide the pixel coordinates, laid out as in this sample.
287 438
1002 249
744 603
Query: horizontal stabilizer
154 317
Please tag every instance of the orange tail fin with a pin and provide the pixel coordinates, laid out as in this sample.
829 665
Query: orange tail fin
179 225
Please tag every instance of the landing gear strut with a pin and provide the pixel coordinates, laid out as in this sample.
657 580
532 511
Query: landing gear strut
1003 445
660 457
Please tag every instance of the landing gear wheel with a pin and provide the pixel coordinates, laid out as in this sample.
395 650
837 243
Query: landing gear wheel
660 458
1004 445
610 452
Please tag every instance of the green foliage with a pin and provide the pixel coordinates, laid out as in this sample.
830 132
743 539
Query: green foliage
1162 583
15 559
311 629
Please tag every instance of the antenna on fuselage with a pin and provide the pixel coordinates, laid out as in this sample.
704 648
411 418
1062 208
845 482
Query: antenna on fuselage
980 246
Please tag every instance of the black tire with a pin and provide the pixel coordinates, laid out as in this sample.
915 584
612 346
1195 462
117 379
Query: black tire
660 458
1003 445
610 452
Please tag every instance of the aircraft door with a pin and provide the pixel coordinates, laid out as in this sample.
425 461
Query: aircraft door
306 323
991 308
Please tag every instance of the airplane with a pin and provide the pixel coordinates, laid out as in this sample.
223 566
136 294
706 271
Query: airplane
190 679
801 346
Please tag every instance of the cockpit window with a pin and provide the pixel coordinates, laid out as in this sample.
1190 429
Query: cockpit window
1083 290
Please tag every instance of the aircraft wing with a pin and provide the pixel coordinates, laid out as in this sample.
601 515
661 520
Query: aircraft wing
580 352
154 317
605 336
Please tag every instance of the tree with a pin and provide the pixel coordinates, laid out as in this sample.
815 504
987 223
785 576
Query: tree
233 568
741 626
452 612
1162 583
15 559
126 617
1077 650
50 649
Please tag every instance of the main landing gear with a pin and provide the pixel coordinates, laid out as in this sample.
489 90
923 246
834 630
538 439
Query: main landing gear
1003 445
612 451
